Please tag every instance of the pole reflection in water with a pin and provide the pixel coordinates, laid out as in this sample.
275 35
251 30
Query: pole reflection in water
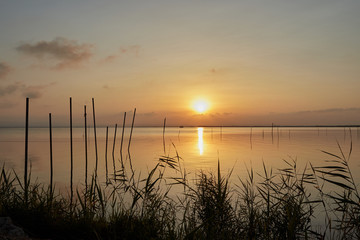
200 140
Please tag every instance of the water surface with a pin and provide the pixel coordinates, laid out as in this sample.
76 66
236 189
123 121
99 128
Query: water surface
236 148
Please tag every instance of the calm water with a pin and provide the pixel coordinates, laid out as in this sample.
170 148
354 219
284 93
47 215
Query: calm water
199 148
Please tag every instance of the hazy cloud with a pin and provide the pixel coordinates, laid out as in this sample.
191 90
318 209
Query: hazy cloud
9 89
34 91
329 110
133 49
6 105
109 59
4 70
66 53
24 90
128 50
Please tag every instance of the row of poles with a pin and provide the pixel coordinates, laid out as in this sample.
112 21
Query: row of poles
27 180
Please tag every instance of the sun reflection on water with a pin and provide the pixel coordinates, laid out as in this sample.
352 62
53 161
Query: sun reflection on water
200 140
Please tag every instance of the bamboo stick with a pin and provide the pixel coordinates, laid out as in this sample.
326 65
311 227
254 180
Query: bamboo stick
96 150
71 156
26 150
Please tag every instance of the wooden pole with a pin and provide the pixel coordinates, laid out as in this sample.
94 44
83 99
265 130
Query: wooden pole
51 156
164 135
96 151
122 139
106 148
113 152
131 130
26 150
86 156
71 156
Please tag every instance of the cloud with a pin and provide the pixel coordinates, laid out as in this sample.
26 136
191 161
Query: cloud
26 91
133 49
9 89
127 50
66 53
32 93
5 69
7 105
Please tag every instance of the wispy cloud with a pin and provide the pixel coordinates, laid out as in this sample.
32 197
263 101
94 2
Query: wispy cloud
5 69
33 92
132 50
7 105
9 89
66 53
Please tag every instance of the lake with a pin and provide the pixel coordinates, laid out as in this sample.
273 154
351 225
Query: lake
237 149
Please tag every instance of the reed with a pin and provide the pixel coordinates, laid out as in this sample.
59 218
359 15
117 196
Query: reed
276 206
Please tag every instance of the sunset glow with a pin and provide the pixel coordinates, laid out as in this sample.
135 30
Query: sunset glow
201 64
201 106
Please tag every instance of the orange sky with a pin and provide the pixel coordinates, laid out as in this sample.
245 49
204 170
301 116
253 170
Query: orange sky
256 62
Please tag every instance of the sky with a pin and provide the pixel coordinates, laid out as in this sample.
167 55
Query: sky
254 62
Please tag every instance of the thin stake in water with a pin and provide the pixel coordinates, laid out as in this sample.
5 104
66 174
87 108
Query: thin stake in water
26 150
113 152
289 133
71 156
251 138
131 130
106 148
51 156
86 151
96 151
122 140
164 135
220 132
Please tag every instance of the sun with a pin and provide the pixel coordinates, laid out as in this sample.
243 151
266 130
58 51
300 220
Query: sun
200 106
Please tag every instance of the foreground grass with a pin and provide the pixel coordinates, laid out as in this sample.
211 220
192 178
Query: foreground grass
276 206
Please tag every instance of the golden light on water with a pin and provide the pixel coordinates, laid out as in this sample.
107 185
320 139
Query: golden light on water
200 140
200 106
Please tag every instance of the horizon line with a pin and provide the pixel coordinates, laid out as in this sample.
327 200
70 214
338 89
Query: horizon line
206 126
